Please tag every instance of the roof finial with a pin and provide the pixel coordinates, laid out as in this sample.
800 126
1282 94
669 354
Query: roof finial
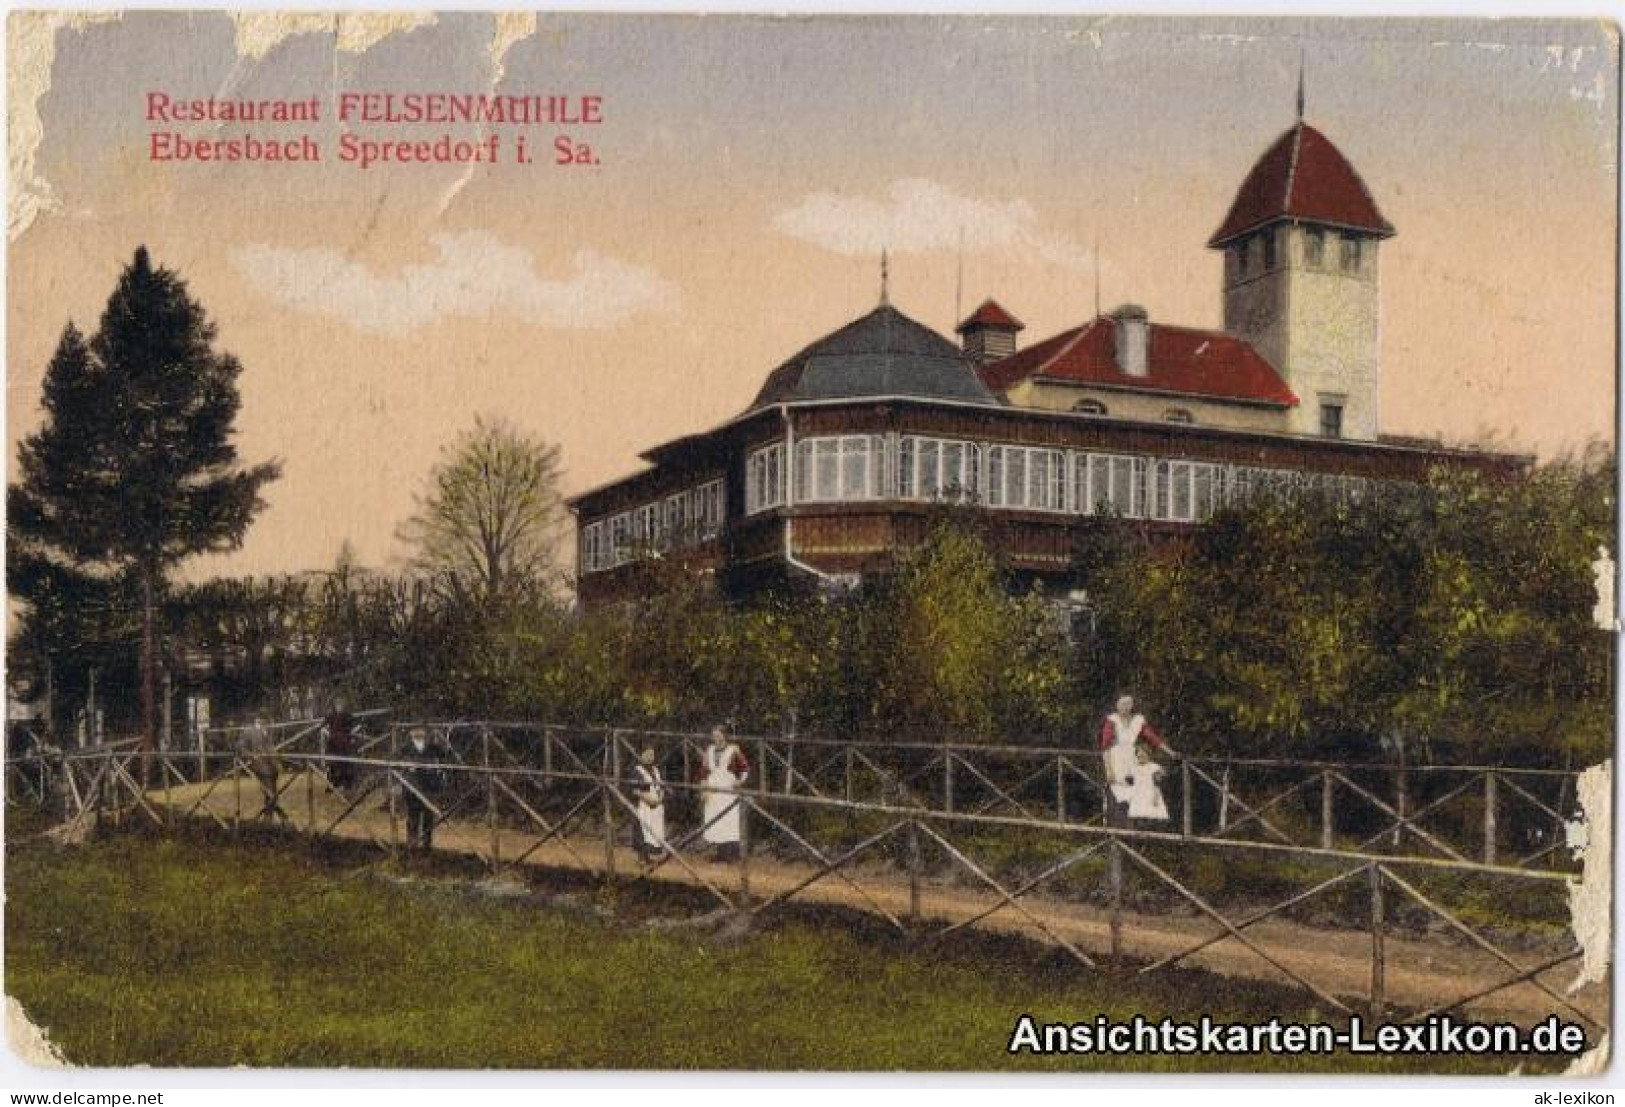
885 277
1300 85
1097 276
959 278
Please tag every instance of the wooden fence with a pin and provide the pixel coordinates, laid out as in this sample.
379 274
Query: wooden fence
828 810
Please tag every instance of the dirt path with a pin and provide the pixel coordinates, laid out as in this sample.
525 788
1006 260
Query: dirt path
1420 972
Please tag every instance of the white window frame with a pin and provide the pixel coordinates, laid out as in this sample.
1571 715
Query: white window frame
764 479
1027 478
924 471
840 468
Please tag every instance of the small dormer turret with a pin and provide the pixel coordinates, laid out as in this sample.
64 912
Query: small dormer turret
990 333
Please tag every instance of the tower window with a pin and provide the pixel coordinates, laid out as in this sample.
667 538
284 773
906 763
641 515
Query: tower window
1350 259
1243 248
1331 419
1314 247
1178 415
1269 250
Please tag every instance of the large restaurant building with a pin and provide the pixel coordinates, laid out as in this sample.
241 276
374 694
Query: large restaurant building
852 445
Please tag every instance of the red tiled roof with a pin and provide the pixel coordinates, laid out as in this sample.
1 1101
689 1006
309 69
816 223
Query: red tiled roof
1302 176
1180 360
990 314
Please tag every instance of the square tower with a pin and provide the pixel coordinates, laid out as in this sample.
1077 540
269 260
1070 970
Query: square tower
1301 280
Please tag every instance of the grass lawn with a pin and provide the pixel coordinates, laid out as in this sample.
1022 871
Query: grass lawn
197 950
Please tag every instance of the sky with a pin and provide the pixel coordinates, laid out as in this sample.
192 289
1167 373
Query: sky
747 174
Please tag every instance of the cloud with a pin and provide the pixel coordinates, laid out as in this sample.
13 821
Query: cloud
475 274
921 216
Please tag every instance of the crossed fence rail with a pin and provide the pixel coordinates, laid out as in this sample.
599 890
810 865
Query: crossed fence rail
1497 815
843 812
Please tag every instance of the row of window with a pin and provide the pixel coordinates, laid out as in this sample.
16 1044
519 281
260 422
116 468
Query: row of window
1033 478
1169 415
1349 249
681 519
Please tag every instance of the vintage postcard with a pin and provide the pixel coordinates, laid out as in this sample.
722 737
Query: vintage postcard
617 541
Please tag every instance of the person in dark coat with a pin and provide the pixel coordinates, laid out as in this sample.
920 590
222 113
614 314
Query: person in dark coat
425 779
340 730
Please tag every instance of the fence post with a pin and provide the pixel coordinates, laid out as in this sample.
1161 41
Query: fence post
610 759
169 804
310 789
236 793
947 780
1326 809
101 787
1060 788
1187 800
1489 818
1400 804
1378 962
392 793
744 851
1224 800
1114 889
490 800
847 787
914 863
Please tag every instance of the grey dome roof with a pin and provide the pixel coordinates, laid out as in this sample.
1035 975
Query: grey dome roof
885 353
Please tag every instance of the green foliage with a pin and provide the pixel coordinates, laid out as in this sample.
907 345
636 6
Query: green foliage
486 530
955 653
1451 619
133 470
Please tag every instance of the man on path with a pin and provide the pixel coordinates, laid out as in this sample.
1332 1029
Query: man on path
259 752
422 781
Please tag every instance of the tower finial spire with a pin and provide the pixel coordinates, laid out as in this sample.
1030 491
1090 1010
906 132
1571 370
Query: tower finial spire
1097 276
885 277
1300 85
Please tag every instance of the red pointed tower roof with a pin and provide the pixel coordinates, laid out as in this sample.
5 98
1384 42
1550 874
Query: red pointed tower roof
990 314
1302 176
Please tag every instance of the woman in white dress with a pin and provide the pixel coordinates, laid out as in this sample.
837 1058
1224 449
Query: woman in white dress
1145 802
649 789
1120 737
722 770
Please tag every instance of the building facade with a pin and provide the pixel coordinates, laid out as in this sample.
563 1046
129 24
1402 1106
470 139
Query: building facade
852 447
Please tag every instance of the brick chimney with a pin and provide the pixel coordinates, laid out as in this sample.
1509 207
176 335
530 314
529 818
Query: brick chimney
990 333
1133 326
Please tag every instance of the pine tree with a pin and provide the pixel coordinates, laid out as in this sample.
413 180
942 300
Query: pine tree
134 470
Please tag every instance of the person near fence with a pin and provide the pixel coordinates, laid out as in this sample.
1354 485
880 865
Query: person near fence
722 770
648 789
258 750
1120 738
339 728
423 781
1145 802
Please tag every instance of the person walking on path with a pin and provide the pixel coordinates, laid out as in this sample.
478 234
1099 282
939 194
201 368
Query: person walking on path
649 791
421 782
722 770
259 752
339 728
1120 737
